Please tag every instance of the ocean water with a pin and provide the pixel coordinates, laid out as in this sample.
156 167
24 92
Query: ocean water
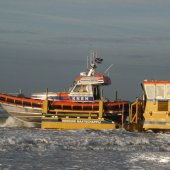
22 147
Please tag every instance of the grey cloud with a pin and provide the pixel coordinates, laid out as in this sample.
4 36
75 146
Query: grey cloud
77 40
111 1
14 31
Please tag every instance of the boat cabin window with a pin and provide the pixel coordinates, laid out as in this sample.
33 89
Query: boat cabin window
96 92
72 86
168 91
81 88
150 91
160 91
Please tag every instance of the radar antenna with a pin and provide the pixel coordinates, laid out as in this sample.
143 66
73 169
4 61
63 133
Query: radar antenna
92 62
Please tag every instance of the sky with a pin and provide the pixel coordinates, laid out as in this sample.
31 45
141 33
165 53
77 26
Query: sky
45 44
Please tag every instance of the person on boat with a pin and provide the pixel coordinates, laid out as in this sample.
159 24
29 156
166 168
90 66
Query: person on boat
83 89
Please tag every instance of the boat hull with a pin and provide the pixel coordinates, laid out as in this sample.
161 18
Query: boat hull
27 114
30 110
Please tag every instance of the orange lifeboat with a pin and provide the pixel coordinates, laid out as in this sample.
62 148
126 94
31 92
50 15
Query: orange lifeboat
84 95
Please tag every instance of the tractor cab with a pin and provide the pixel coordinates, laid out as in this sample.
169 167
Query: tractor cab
157 104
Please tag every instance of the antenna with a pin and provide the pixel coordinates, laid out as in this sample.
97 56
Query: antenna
108 68
87 62
91 64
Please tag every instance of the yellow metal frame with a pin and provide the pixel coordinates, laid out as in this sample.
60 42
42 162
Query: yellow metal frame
73 119
134 116
76 123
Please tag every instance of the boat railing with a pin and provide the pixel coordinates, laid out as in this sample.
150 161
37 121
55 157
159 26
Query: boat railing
47 111
73 114
20 101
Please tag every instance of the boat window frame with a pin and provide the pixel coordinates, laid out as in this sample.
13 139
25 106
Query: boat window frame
82 88
98 95
160 91
167 91
150 95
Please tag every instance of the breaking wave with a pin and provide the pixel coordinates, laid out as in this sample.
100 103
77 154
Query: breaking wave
13 122
33 148
120 140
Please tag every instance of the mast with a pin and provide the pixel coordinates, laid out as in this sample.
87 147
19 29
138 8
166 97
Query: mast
92 64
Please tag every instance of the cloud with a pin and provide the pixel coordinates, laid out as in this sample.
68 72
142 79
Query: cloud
104 2
101 40
15 31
